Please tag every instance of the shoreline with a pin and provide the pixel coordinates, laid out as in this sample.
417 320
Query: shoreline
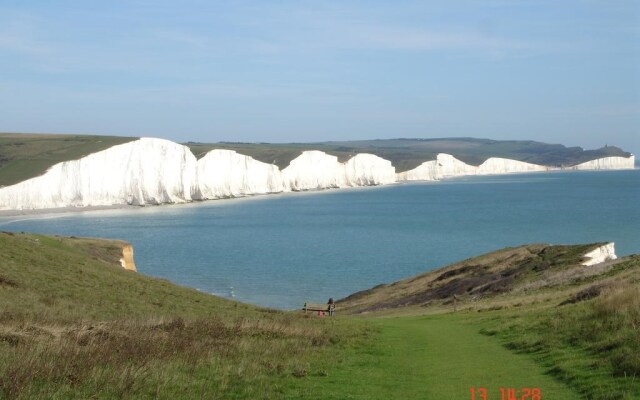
74 210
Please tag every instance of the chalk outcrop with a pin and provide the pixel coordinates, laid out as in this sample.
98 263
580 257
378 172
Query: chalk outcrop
313 170
157 171
444 166
368 170
495 166
146 171
447 166
601 254
225 173
127 261
607 163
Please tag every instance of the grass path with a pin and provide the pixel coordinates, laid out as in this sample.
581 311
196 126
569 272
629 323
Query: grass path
435 357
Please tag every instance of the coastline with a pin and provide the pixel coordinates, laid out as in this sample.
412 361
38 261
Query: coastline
246 243
54 212
71 210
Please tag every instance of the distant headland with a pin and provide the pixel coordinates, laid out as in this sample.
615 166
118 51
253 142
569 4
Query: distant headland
56 171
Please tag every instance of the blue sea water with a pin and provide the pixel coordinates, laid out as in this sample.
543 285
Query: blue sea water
282 250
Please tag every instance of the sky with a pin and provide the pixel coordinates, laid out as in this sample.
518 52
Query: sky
300 71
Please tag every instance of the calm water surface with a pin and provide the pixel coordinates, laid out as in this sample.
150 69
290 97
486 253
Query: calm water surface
281 250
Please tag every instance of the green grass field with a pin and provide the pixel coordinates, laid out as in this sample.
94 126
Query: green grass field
74 324
432 357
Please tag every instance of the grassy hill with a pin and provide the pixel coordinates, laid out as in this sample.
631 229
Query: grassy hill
524 274
406 154
581 323
74 324
24 156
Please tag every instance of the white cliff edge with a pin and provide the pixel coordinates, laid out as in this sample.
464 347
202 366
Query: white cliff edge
225 173
157 171
607 163
145 171
447 166
603 253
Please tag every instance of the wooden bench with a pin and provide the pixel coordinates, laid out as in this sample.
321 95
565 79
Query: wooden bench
330 308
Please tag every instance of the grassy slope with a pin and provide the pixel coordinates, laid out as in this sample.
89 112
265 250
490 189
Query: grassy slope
592 346
581 324
24 156
73 323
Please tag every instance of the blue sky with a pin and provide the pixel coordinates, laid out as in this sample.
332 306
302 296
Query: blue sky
562 72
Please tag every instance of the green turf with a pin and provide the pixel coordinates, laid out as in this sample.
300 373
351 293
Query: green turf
433 357
594 347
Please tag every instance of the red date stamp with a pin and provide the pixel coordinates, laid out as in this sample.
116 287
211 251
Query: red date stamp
481 393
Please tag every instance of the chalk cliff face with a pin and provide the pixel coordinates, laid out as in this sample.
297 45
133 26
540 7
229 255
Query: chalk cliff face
447 166
505 166
314 170
225 173
601 254
444 166
607 163
146 171
367 170
157 171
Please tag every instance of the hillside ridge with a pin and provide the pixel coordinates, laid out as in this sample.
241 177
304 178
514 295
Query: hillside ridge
525 272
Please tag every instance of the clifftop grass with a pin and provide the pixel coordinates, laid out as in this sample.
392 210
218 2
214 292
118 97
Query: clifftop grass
73 323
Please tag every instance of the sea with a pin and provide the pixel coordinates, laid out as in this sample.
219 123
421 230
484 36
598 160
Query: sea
282 250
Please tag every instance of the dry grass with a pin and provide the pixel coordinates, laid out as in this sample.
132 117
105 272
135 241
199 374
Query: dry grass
591 343
621 301
127 356
74 324
513 272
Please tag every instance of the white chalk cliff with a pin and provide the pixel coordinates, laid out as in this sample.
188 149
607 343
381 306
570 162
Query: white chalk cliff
495 165
146 171
314 170
225 173
607 163
601 254
447 166
367 170
158 171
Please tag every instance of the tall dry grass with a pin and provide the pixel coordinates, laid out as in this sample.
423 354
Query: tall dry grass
125 355
616 313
